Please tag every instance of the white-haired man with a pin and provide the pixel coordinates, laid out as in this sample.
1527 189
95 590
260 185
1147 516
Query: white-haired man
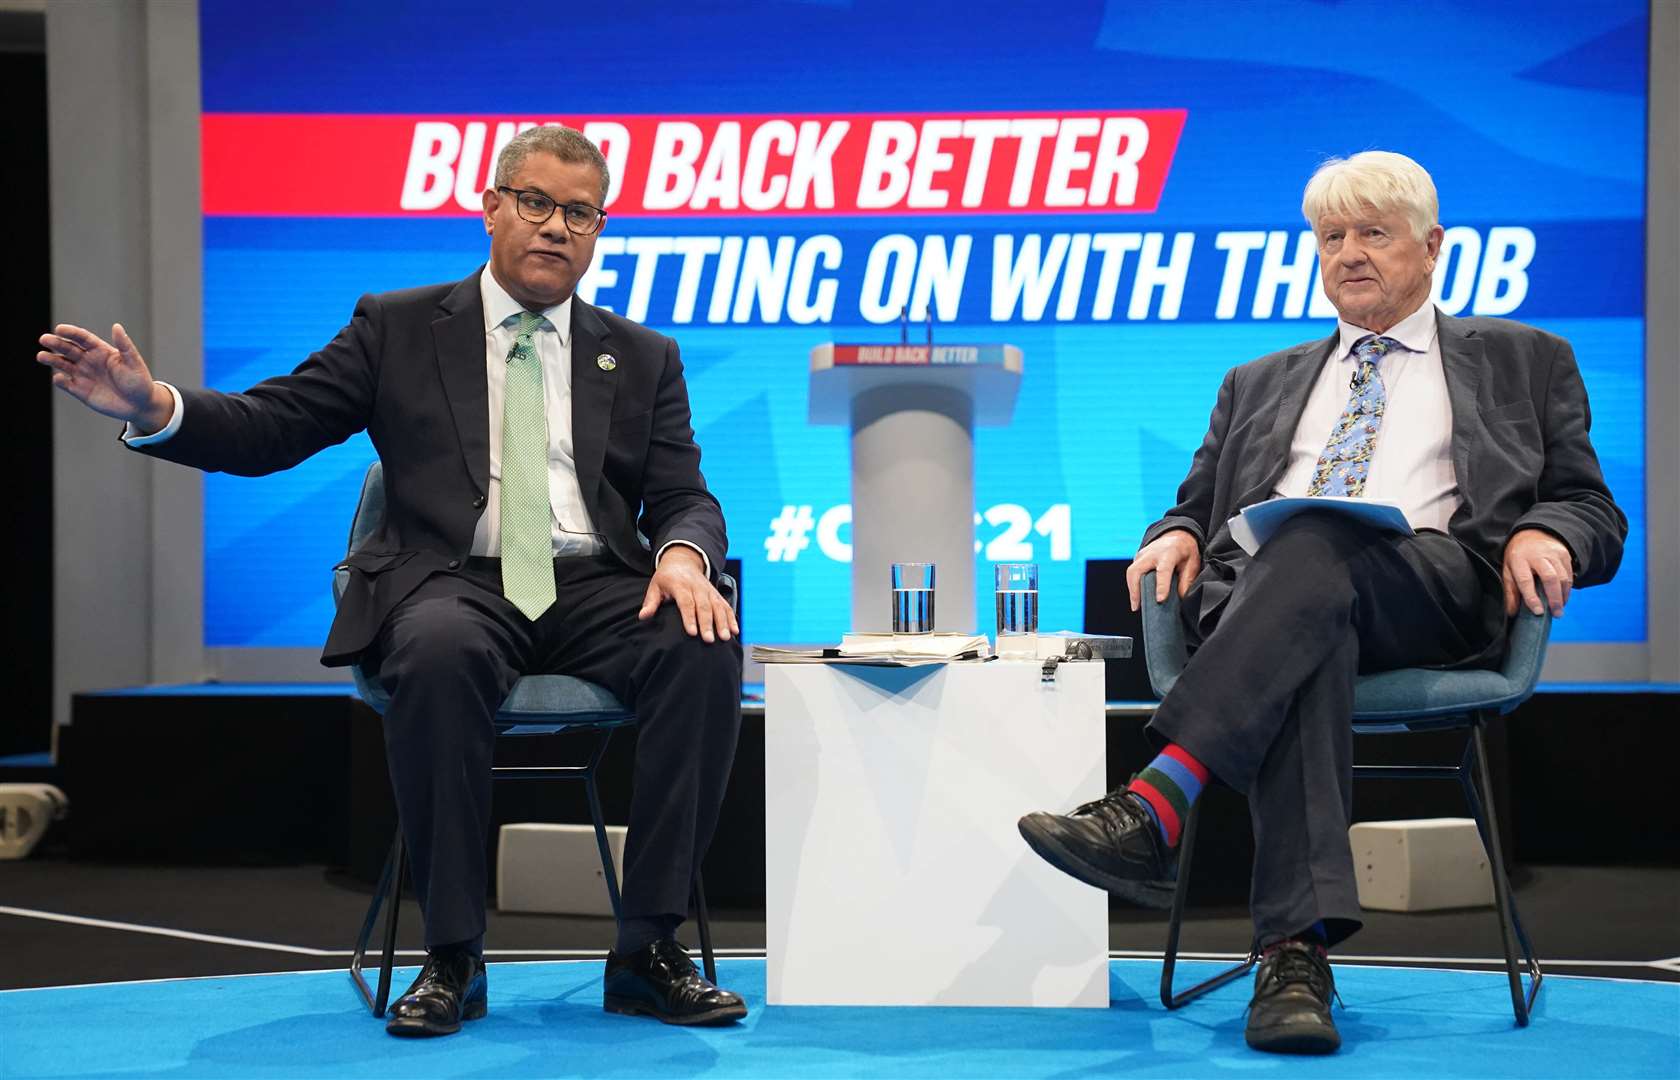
1478 428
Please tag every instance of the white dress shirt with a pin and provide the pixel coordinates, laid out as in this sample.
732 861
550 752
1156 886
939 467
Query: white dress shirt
574 533
1411 464
132 436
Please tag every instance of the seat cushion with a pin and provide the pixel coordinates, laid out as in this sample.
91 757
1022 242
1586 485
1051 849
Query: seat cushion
539 704
549 697
1423 693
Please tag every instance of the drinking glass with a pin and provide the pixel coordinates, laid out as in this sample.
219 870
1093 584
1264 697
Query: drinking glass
1017 609
912 598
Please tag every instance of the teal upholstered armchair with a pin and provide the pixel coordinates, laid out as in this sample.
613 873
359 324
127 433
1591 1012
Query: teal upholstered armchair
1405 700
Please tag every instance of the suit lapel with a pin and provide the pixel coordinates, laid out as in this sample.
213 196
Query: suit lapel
1463 360
592 395
458 335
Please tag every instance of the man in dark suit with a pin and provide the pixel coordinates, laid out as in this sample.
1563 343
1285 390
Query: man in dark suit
529 442
1478 429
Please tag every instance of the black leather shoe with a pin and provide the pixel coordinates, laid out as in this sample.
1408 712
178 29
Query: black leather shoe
1111 843
1290 1011
452 987
662 982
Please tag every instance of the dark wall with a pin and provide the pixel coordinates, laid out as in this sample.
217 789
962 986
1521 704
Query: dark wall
1590 778
25 278
229 779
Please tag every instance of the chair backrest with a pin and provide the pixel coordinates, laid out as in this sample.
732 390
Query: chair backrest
370 509
369 517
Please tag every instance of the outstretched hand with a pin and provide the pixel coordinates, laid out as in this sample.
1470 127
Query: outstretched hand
1536 555
681 578
109 377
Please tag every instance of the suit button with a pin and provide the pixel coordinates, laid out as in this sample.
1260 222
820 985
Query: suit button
454 564
478 503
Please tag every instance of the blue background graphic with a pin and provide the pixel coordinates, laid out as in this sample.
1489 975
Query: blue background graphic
1527 115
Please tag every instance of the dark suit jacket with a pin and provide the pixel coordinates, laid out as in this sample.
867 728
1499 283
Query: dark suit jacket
1520 449
410 369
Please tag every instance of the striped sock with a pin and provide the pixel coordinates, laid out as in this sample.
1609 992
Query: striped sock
1169 786
1313 935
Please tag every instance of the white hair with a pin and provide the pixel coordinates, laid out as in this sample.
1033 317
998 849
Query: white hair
1374 179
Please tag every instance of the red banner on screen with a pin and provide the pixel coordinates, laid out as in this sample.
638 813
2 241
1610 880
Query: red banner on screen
703 166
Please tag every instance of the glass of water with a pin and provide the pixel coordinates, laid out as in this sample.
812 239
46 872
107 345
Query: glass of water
1017 609
912 598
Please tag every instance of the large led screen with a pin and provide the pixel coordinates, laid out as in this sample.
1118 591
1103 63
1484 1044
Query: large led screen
1114 188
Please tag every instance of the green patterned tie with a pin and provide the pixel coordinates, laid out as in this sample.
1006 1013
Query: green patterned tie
527 532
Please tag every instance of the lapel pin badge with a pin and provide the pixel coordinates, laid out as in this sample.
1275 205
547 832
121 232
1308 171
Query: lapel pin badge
605 362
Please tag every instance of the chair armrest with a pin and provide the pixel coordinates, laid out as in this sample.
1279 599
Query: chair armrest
1525 653
1164 650
726 586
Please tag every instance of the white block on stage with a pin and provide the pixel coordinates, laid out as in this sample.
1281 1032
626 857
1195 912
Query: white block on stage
555 869
895 874
1425 865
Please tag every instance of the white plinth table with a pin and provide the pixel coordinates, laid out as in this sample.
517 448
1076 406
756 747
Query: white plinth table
894 871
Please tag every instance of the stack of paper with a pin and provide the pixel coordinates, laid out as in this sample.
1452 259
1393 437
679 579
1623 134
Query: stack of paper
935 646
884 650
1255 524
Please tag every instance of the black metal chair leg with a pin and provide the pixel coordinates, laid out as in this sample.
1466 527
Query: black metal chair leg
1521 1004
359 954
1467 782
703 922
388 959
1175 921
600 822
387 894
1169 959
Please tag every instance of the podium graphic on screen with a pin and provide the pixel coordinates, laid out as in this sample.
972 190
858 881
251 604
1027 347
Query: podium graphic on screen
912 410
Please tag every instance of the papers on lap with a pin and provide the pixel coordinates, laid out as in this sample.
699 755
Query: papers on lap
1256 524
884 650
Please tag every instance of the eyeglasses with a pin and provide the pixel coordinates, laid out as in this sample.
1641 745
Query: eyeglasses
535 207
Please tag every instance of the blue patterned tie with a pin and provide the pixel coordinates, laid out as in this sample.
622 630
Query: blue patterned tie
1346 461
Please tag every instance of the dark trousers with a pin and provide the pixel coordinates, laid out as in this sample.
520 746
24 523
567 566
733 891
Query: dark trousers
1266 698
449 654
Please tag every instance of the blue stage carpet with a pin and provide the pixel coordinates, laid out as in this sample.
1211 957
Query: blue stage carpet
546 1020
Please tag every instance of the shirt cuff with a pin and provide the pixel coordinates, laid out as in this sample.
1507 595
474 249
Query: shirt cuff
136 440
666 546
